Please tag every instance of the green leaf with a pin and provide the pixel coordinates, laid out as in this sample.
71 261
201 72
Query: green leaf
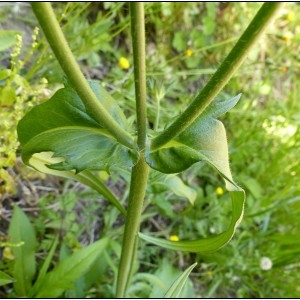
83 148
157 283
8 38
209 244
253 186
44 268
69 270
179 41
176 288
64 125
204 140
61 137
180 189
22 234
5 279
163 278
4 74
162 182
41 161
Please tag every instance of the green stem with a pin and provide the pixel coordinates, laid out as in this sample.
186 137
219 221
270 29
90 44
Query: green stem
221 77
64 55
139 178
139 174
138 47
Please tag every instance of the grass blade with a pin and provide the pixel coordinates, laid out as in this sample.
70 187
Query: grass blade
175 289
5 279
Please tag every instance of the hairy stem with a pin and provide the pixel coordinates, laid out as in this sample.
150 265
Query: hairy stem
139 174
138 47
224 73
139 178
65 57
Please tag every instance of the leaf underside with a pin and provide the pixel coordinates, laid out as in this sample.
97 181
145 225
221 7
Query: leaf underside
63 125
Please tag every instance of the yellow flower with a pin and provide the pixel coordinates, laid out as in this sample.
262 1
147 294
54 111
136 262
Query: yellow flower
124 63
290 16
188 52
283 69
7 253
174 238
219 191
287 37
208 274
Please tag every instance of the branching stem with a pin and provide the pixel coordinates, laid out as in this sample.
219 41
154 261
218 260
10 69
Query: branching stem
224 73
139 174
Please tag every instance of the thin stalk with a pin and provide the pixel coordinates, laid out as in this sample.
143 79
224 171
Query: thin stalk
138 47
223 74
139 174
65 57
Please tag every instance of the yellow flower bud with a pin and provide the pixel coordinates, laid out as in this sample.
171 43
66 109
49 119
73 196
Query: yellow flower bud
290 16
174 238
7 253
287 37
219 191
188 52
124 63
283 69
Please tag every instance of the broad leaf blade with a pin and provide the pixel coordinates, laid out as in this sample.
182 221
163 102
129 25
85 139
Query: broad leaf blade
64 125
176 288
160 182
204 140
69 270
21 232
65 108
83 148
110 104
210 244
178 187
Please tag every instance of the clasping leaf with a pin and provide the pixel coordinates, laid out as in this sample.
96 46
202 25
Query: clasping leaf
204 140
64 126
61 137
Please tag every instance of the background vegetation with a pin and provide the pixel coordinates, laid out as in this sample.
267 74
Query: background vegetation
185 44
